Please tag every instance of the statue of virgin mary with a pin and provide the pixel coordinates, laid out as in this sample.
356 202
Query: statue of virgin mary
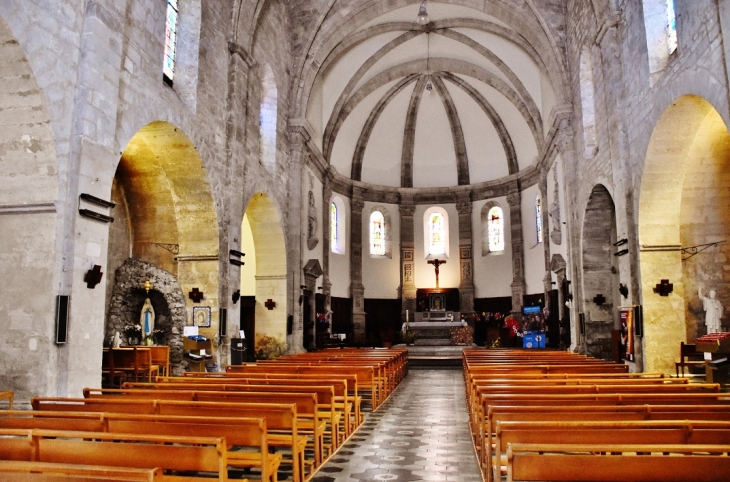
147 321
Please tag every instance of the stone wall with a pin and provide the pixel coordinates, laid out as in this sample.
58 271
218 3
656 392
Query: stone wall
167 299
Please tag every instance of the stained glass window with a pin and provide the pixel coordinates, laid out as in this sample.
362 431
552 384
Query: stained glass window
168 68
436 234
671 27
538 218
496 229
377 234
333 227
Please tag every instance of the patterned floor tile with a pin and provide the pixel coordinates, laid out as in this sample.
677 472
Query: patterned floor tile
421 433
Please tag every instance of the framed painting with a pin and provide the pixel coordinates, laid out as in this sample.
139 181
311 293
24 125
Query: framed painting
201 316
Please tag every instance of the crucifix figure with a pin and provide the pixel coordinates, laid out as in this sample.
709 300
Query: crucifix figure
436 263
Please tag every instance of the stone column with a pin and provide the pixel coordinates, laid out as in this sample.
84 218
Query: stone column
298 153
239 66
326 242
408 285
518 253
547 279
356 287
466 284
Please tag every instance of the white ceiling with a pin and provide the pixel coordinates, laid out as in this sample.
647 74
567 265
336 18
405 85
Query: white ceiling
496 74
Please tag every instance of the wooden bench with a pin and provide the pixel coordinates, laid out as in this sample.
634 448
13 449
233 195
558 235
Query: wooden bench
281 418
135 362
23 471
668 463
9 397
180 454
605 433
689 357
344 386
596 413
325 415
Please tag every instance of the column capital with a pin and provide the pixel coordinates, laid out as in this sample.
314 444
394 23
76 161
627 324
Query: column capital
407 209
514 199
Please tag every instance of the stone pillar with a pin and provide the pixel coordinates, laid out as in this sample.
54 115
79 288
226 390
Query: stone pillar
298 153
231 213
466 283
547 280
326 241
407 284
518 254
356 287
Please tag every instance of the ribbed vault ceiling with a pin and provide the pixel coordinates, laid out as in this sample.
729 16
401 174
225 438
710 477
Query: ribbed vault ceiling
459 101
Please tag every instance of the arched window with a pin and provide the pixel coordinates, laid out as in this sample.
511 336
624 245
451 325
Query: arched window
268 118
436 234
660 23
337 225
168 68
588 109
495 223
334 225
538 218
377 234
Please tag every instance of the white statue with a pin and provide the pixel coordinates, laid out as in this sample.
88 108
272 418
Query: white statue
713 311
147 321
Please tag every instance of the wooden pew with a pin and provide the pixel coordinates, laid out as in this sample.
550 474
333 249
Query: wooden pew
689 357
325 412
281 418
668 463
342 405
184 454
605 433
135 361
22 471
249 433
344 385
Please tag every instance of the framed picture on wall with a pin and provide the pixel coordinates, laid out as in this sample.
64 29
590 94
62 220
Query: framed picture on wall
201 316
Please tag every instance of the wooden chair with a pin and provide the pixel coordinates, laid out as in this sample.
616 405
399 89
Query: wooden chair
688 357
161 357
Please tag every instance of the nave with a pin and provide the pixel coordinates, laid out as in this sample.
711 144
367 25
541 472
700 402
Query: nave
420 433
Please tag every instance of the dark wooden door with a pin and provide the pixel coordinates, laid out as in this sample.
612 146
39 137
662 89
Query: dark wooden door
248 325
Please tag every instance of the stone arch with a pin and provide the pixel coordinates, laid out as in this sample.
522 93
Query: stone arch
165 214
28 226
167 299
270 277
599 303
684 194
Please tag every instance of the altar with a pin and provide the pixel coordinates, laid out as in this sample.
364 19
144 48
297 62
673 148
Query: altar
437 312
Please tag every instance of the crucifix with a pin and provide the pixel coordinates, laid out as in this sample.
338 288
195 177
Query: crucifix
436 263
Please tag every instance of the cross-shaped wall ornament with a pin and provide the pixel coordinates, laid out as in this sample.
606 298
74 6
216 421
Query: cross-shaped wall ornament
599 299
93 277
664 288
196 295
270 304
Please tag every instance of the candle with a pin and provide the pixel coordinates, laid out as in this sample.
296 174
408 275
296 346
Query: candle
406 316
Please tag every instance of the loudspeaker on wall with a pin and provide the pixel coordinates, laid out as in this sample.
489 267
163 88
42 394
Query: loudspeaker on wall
223 322
62 302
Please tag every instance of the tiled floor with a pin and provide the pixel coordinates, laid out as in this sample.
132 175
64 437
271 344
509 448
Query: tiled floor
420 433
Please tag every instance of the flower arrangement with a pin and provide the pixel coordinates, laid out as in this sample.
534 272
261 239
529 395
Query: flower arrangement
408 337
133 333
268 347
462 335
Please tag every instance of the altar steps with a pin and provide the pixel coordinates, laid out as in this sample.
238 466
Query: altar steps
448 356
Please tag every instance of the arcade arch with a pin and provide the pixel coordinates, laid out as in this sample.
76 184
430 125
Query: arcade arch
684 196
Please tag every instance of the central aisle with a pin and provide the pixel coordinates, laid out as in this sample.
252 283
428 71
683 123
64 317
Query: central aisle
420 433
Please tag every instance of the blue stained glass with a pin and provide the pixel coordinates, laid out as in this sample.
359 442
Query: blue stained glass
671 27
168 67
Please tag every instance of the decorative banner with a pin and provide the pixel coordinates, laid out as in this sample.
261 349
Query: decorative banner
627 332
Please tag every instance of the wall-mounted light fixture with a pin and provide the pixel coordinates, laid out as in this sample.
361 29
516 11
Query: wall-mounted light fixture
621 253
621 242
